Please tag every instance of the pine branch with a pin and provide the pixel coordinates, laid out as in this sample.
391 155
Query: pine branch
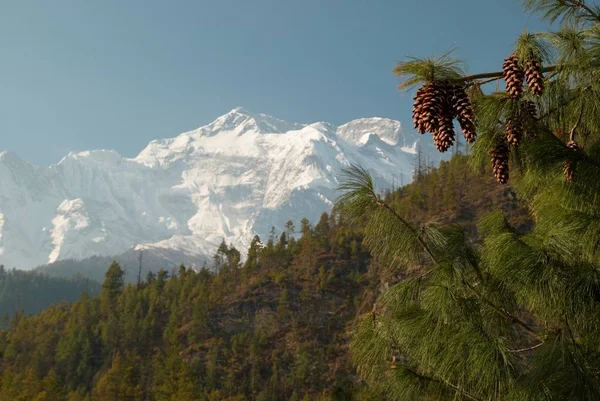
428 272
410 227
496 75
444 382
572 133
503 312
571 336
561 106
528 348
487 81
565 10
592 14
549 112
359 197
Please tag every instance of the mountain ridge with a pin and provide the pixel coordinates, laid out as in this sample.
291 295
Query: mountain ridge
231 179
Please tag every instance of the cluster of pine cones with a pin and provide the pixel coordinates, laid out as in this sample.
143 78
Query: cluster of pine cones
436 106
514 75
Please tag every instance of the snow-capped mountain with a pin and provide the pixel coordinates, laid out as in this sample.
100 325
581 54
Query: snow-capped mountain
231 179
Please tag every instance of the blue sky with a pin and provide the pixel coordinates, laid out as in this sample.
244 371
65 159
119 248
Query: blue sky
114 74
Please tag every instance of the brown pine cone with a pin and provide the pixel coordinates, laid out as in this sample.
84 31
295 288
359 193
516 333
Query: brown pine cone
444 135
514 131
427 107
569 166
499 154
462 110
418 106
535 77
513 76
468 130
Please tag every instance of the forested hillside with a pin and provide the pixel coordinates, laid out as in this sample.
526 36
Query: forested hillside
274 328
32 292
271 329
453 193
94 267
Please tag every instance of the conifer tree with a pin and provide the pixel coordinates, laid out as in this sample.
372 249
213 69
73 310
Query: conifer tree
252 258
112 287
150 277
517 317
290 228
233 258
219 256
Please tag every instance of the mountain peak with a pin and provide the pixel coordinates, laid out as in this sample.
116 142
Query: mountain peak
241 120
231 179
359 130
9 155
13 161
240 110
98 156
6 154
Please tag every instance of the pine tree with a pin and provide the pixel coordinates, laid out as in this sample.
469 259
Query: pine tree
213 367
112 287
29 387
290 228
120 382
283 307
150 277
233 258
252 258
516 316
199 317
111 290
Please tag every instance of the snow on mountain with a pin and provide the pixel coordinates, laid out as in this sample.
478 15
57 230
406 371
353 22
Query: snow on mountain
231 179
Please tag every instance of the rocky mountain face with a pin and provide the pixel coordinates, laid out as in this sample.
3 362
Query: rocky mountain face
180 197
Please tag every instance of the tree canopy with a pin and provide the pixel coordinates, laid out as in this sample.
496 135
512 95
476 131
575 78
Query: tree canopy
516 315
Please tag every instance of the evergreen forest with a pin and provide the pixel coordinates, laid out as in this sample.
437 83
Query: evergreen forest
274 327
478 281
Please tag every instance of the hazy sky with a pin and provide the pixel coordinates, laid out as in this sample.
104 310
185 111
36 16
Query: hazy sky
77 75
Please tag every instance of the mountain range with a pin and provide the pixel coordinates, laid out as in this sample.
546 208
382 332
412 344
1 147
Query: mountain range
180 197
